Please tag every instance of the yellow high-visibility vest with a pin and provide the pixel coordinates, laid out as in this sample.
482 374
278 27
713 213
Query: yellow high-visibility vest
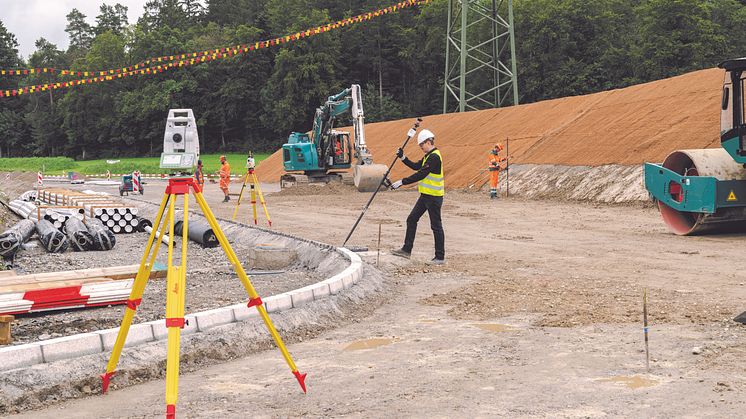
433 184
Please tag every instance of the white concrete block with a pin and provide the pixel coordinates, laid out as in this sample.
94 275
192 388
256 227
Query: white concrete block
241 312
160 331
211 318
279 302
347 281
71 346
320 290
301 296
138 334
335 284
20 356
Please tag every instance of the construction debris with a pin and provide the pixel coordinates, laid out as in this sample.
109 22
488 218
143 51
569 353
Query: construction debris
70 289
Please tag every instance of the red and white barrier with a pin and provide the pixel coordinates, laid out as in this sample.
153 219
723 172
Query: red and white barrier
135 181
87 295
39 179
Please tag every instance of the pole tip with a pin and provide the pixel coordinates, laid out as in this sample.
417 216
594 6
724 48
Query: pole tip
301 379
170 411
105 379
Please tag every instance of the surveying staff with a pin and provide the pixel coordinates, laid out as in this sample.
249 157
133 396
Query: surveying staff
494 168
199 176
432 188
225 177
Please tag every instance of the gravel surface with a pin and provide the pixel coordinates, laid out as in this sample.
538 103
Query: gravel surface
211 281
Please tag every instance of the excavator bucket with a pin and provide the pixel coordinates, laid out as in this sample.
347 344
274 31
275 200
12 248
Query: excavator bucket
367 177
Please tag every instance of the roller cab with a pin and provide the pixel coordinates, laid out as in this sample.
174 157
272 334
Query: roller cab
699 191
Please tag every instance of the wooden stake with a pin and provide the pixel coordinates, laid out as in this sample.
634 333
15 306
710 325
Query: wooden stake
378 256
645 326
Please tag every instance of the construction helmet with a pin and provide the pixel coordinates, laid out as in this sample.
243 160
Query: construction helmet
222 158
425 135
499 147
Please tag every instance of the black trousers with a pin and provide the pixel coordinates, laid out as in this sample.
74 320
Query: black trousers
431 204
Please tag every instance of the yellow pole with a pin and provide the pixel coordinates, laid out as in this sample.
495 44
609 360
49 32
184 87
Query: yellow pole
138 288
240 195
252 187
174 293
254 297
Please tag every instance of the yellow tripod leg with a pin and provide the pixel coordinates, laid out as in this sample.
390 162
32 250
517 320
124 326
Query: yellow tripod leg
254 299
261 199
240 195
175 292
138 288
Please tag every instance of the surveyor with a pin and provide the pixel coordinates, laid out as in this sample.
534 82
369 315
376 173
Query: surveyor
494 167
225 177
432 188
199 176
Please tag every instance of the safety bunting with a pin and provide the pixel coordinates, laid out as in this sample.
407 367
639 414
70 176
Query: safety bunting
168 62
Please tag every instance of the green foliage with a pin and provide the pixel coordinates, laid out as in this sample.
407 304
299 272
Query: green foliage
62 165
253 101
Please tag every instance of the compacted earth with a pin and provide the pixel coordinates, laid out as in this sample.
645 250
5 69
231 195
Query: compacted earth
538 312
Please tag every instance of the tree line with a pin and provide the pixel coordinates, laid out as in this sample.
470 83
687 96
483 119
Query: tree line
253 101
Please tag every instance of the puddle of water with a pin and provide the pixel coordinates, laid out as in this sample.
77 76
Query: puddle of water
494 327
368 344
632 381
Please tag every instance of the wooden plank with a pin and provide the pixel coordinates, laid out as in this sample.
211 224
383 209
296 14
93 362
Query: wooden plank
113 272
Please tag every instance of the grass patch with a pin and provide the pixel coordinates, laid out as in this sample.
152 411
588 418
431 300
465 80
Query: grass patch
62 165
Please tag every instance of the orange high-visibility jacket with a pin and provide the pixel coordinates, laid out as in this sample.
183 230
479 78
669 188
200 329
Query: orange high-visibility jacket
495 161
225 175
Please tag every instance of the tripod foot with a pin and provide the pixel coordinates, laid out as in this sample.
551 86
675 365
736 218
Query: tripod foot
270 223
105 379
301 379
170 411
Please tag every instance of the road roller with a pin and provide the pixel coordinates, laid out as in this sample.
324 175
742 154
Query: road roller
704 191
326 154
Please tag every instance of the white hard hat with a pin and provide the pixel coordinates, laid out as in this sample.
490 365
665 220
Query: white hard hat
425 135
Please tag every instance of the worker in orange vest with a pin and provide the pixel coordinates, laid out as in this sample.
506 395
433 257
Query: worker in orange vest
225 177
494 167
199 176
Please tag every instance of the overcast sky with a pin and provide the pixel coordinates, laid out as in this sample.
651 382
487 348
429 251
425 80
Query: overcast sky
30 20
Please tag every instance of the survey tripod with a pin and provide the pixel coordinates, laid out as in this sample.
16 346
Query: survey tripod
176 287
253 182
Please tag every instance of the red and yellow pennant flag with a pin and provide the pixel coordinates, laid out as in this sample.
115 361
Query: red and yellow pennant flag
180 60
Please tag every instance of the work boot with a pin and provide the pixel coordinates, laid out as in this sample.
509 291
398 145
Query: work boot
436 261
401 253
225 199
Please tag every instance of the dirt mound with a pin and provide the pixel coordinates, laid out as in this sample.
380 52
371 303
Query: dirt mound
625 126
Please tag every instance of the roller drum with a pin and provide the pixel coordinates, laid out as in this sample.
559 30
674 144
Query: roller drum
717 163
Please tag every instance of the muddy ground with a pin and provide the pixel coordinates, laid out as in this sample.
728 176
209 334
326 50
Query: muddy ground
538 313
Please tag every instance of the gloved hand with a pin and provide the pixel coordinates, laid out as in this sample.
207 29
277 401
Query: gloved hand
400 154
396 185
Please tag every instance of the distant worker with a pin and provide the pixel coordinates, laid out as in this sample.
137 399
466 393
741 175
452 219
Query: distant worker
199 176
225 177
432 188
494 167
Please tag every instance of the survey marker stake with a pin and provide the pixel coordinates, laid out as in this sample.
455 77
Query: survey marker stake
645 326
412 131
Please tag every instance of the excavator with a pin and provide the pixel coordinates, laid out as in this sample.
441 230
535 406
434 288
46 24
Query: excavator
326 154
704 191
